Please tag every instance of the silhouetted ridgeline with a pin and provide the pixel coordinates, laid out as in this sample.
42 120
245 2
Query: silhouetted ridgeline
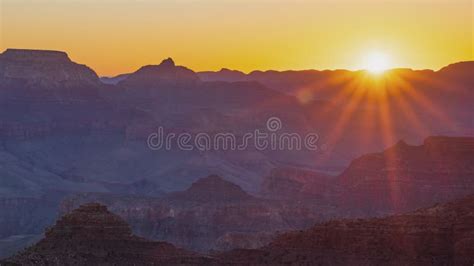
66 134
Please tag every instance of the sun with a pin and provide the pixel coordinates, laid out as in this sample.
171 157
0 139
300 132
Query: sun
377 62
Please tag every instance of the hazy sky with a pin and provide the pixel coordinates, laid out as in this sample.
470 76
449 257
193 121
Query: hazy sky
116 36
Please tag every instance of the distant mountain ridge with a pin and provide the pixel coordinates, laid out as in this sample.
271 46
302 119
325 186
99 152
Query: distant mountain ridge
460 69
164 74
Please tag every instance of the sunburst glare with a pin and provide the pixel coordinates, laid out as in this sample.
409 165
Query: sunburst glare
377 62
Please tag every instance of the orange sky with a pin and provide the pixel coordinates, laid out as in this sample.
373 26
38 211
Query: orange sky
116 36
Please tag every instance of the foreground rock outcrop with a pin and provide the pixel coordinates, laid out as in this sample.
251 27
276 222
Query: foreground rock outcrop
440 235
91 235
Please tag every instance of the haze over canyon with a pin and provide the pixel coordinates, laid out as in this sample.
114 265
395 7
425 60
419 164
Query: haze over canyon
391 182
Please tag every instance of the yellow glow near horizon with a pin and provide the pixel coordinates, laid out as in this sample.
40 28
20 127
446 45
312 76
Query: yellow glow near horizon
377 62
119 36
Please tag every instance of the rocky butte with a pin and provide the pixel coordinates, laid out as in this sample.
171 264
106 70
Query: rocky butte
44 93
213 189
43 68
212 214
91 235
164 74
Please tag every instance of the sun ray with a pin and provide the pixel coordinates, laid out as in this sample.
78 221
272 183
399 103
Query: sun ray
357 94
424 102
386 126
407 110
